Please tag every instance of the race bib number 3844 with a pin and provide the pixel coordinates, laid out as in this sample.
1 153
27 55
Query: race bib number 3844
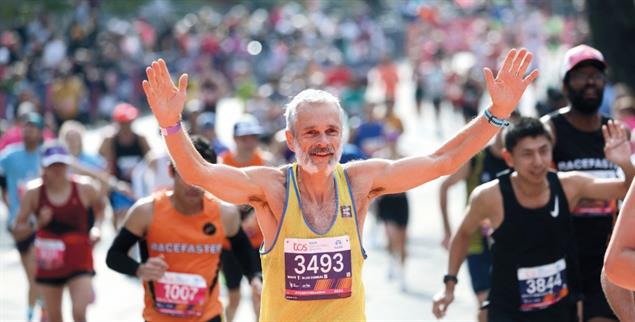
542 286
317 269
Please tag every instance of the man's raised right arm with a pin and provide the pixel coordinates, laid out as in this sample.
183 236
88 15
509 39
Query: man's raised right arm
166 101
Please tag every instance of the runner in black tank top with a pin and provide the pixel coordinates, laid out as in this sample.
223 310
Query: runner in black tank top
482 168
533 254
527 242
127 157
577 150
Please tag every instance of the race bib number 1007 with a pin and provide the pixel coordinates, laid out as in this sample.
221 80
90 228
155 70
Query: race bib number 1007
180 294
317 269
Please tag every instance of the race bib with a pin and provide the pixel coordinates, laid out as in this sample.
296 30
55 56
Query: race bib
542 286
317 269
180 294
49 253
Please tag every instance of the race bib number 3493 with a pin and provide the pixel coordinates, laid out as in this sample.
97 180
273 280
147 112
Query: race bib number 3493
180 294
542 286
317 269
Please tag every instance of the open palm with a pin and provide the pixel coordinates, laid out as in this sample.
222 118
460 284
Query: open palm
165 99
510 83
616 147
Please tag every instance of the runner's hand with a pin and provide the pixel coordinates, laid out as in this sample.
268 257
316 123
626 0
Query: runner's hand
165 99
446 242
94 235
616 146
441 303
153 269
43 217
256 287
256 292
510 83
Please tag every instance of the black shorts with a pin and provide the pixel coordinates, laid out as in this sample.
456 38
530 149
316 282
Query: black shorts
231 268
24 245
561 311
62 280
394 209
596 306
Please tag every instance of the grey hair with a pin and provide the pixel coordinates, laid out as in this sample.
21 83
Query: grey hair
310 96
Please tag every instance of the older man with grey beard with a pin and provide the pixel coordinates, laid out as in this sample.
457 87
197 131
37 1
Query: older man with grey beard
312 213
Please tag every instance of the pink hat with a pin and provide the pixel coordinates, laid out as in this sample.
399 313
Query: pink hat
581 53
124 113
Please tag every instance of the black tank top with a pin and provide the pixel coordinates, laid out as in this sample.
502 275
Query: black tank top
485 168
127 157
576 150
525 240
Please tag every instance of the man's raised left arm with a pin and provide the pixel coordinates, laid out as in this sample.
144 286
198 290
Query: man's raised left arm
505 91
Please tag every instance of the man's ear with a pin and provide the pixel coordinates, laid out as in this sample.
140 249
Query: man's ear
507 156
290 139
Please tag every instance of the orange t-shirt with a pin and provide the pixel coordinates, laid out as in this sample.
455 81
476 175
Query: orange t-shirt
249 225
229 158
191 245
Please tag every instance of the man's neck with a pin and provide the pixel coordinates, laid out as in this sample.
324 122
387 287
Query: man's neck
56 186
30 147
317 187
184 207
244 156
528 189
584 122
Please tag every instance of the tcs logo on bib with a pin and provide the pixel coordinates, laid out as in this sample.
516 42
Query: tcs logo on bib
300 247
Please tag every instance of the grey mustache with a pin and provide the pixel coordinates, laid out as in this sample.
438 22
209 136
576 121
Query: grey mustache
328 149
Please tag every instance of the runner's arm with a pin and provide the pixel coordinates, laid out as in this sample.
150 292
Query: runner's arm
240 243
621 300
478 209
619 261
22 228
98 205
617 150
586 186
106 152
230 184
453 179
134 229
407 173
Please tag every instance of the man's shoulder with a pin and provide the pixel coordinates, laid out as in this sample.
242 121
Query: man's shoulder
12 150
486 192
555 115
143 206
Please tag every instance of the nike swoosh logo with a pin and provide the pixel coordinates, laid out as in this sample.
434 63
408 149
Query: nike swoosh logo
556 209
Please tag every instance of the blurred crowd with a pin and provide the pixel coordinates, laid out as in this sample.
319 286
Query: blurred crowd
81 64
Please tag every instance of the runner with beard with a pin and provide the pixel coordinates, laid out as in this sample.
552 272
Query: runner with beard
579 146
311 212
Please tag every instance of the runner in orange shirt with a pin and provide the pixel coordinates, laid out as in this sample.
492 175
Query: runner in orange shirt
180 233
